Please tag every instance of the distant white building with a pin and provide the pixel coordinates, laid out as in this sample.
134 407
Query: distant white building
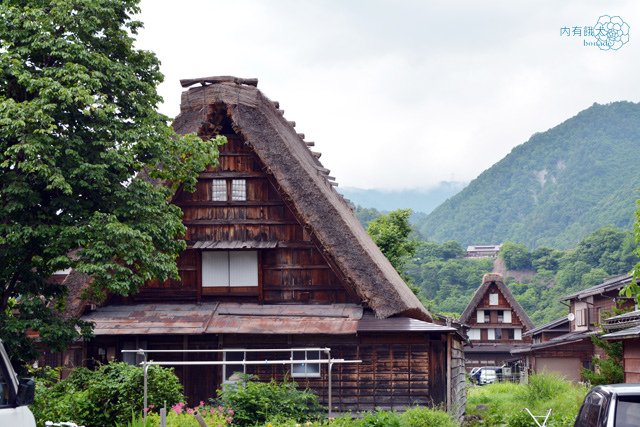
483 251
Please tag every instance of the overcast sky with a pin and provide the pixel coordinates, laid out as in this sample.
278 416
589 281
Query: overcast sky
402 94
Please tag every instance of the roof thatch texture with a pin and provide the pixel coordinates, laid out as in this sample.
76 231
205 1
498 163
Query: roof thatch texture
303 181
487 280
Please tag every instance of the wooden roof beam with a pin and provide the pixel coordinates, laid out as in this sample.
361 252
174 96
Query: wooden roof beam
218 79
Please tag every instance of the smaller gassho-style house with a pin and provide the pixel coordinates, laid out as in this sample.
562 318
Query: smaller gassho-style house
276 259
497 323
564 346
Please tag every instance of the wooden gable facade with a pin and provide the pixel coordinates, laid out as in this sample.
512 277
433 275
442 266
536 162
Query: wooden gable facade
276 259
497 323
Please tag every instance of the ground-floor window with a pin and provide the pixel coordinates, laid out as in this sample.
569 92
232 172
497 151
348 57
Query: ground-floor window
305 369
231 371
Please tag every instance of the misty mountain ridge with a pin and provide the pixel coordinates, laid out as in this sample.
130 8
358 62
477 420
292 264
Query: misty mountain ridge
418 200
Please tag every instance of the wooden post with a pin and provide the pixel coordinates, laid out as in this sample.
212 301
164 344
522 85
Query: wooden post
199 419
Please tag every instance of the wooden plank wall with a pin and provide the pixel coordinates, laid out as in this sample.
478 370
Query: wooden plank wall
295 271
458 379
395 373
631 360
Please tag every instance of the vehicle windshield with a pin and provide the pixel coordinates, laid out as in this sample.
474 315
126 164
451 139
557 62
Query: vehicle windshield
628 411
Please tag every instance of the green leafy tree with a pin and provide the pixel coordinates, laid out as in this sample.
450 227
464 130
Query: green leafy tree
391 233
80 144
608 370
516 256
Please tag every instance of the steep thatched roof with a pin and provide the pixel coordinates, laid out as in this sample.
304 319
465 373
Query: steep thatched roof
306 185
487 280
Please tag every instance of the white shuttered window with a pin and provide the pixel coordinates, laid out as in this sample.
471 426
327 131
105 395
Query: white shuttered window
474 334
493 299
480 316
507 316
491 334
229 268
517 334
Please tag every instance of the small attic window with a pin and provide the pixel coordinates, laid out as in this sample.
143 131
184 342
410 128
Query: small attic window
219 190
239 189
493 299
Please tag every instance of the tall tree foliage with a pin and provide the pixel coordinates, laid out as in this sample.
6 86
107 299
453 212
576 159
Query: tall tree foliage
78 122
391 232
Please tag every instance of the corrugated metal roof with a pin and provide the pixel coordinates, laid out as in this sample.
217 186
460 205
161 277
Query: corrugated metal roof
565 339
617 282
370 323
633 332
212 318
236 318
235 244
227 324
547 326
159 319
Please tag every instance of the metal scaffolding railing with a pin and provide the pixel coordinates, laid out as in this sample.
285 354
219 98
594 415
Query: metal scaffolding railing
329 361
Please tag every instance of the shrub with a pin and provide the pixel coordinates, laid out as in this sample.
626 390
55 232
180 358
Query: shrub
256 402
109 395
426 417
380 419
182 416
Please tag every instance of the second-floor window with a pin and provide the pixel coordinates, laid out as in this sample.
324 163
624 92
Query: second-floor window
229 268
581 317
223 190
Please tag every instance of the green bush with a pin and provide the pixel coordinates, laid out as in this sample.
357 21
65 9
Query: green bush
504 403
380 419
105 396
256 402
426 417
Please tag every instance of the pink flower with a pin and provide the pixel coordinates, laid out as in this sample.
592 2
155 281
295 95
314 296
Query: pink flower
230 411
177 408
152 406
190 411
228 420
201 403
146 410
211 411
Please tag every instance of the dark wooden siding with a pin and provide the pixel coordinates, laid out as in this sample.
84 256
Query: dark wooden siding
397 371
458 379
294 271
631 358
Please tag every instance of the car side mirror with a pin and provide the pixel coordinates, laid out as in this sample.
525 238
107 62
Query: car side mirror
26 392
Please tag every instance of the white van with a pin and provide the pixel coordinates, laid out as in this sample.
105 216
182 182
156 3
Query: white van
14 395
487 376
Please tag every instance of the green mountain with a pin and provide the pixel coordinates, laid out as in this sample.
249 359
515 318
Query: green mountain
555 188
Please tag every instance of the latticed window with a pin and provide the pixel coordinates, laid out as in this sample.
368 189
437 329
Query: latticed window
219 190
239 189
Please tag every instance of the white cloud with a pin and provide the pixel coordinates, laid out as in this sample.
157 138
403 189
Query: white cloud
401 94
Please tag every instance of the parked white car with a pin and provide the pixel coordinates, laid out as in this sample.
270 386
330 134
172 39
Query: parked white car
14 395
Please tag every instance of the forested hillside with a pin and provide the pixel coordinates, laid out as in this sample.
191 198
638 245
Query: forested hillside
448 280
554 189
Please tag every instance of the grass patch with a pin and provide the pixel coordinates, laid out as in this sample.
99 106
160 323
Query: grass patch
503 404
